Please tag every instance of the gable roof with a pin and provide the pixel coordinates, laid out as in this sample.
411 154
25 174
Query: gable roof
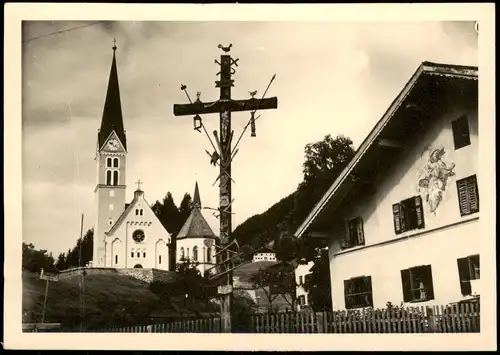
129 207
417 82
112 119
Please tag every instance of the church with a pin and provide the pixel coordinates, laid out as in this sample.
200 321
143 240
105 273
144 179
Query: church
130 235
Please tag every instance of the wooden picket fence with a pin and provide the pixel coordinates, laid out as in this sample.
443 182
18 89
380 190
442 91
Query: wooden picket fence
463 318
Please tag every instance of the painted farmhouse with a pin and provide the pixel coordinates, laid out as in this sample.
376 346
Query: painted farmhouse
401 221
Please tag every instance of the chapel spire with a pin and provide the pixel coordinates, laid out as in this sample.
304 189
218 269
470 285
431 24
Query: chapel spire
196 197
112 119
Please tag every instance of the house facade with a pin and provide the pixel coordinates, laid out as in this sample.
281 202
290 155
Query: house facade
264 255
402 220
301 274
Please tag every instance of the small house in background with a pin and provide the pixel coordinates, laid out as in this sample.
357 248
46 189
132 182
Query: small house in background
402 220
302 273
264 254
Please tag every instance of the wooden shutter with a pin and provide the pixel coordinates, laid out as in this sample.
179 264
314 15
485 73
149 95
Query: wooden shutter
396 212
352 232
464 276
406 283
428 284
461 136
360 232
419 210
472 194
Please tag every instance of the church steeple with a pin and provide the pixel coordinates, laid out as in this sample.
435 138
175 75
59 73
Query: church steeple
112 119
196 197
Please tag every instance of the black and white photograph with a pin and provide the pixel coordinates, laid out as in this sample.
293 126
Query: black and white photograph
176 171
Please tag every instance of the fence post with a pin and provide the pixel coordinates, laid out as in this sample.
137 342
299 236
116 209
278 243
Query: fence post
149 328
431 320
319 323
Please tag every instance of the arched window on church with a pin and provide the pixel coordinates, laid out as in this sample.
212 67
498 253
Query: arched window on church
182 253
137 212
142 211
209 255
187 253
108 177
195 253
115 177
108 162
116 259
115 162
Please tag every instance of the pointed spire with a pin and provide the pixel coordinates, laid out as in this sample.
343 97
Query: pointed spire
112 119
196 197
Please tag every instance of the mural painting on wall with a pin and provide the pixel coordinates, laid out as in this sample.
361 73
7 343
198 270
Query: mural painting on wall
433 178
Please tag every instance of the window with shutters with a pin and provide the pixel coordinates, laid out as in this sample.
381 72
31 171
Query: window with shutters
358 292
302 300
468 195
417 284
408 215
461 136
468 269
355 234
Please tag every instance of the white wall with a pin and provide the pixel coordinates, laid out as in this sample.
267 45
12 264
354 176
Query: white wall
437 246
190 243
302 270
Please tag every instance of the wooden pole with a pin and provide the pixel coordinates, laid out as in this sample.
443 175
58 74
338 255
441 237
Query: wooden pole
45 300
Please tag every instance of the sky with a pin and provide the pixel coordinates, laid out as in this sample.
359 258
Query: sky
331 78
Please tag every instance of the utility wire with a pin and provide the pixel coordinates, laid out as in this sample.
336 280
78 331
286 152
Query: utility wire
62 31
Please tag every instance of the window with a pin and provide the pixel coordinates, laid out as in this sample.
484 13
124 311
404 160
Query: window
355 233
358 292
115 162
302 300
195 253
307 277
417 284
132 254
301 280
209 255
182 253
187 253
468 195
141 211
116 259
136 212
461 135
110 222
115 177
468 269
108 177
144 254
159 259
408 215
111 207
138 254
108 162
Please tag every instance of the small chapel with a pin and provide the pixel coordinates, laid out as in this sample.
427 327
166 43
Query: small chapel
130 235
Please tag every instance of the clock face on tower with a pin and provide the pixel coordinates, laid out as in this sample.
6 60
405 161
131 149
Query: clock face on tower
113 145
138 236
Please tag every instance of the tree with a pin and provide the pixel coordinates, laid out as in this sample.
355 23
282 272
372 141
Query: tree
317 283
34 260
81 253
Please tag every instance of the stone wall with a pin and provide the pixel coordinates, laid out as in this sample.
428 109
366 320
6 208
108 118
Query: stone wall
146 275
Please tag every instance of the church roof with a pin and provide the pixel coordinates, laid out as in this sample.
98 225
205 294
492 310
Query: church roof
196 226
112 119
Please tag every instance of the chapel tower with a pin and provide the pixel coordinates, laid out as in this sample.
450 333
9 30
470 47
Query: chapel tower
111 155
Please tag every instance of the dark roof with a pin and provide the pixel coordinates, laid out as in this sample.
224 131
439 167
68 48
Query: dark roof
112 119
427 88
196 226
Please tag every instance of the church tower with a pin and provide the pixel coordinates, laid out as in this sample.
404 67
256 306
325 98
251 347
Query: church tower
111 156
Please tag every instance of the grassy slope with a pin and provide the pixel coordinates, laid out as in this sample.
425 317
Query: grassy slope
108 299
